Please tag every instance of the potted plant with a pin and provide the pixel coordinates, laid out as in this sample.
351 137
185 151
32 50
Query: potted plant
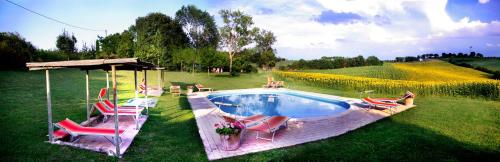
230 133
408 99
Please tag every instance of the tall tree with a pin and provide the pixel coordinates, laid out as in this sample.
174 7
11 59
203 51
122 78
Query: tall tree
264 40
158 31
199 26
236 33
66 43
125 46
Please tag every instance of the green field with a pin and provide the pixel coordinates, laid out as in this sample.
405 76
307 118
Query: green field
491 64
438 129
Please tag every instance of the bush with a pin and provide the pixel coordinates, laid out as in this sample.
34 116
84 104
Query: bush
15 51
496 75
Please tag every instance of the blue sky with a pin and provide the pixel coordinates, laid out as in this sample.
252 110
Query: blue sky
304 28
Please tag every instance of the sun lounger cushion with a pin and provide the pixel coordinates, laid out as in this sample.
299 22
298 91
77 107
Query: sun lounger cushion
378 103
269 125
73 127
58 134
102 92
246 121
103 109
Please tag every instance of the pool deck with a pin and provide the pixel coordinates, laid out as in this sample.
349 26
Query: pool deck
297 132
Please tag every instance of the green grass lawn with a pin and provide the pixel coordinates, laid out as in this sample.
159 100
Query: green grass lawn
438 129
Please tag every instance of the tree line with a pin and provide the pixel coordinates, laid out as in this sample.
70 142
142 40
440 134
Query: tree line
333 63
189 41
437 56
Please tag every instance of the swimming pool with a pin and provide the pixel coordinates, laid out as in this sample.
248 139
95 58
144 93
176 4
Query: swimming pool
270 103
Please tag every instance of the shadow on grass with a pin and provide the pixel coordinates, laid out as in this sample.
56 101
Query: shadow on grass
386 140
170 133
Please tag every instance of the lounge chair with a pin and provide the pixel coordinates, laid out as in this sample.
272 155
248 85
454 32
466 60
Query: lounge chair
201 87
384 105
142 87
248 121
106 112
75 130
270 83
109 105
175 90
408 94
269 125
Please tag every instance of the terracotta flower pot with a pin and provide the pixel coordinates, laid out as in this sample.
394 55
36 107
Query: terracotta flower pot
230 142
409 101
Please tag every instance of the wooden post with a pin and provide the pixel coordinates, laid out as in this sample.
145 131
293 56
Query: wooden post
88 94
146 91
159 79
107 84
117 135
49 107
136 98
162 78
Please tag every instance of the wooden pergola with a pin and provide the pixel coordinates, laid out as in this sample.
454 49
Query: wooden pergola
95 64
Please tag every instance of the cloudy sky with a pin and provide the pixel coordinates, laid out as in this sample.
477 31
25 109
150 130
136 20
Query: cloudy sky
304 29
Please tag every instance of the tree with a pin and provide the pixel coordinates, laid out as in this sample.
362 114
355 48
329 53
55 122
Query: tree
125 46
186 55
264 40
88 52
199 27
66 43
236 33
372 60
15 51
157 32
109 45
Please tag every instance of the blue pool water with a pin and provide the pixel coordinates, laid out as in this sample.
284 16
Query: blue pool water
289 104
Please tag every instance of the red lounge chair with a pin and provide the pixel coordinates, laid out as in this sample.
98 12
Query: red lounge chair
408 94
109 105
269 125
248 121
107 112
379 104
75 130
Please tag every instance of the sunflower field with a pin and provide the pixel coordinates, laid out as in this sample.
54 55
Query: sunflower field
474 88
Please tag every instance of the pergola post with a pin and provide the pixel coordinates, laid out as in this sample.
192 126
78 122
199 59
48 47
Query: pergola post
146 91
159 79
136 98
107 84
49 107
117 135
88 94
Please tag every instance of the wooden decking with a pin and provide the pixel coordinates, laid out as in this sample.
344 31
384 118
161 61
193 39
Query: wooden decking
297 132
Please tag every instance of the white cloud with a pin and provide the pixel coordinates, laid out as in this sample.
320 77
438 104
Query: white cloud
411 27
484 1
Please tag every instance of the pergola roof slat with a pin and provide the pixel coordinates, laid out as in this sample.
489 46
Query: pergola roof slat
127 64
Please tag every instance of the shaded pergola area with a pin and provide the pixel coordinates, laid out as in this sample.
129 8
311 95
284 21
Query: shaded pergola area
118 144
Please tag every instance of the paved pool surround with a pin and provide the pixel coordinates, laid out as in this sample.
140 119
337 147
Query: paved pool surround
299 130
